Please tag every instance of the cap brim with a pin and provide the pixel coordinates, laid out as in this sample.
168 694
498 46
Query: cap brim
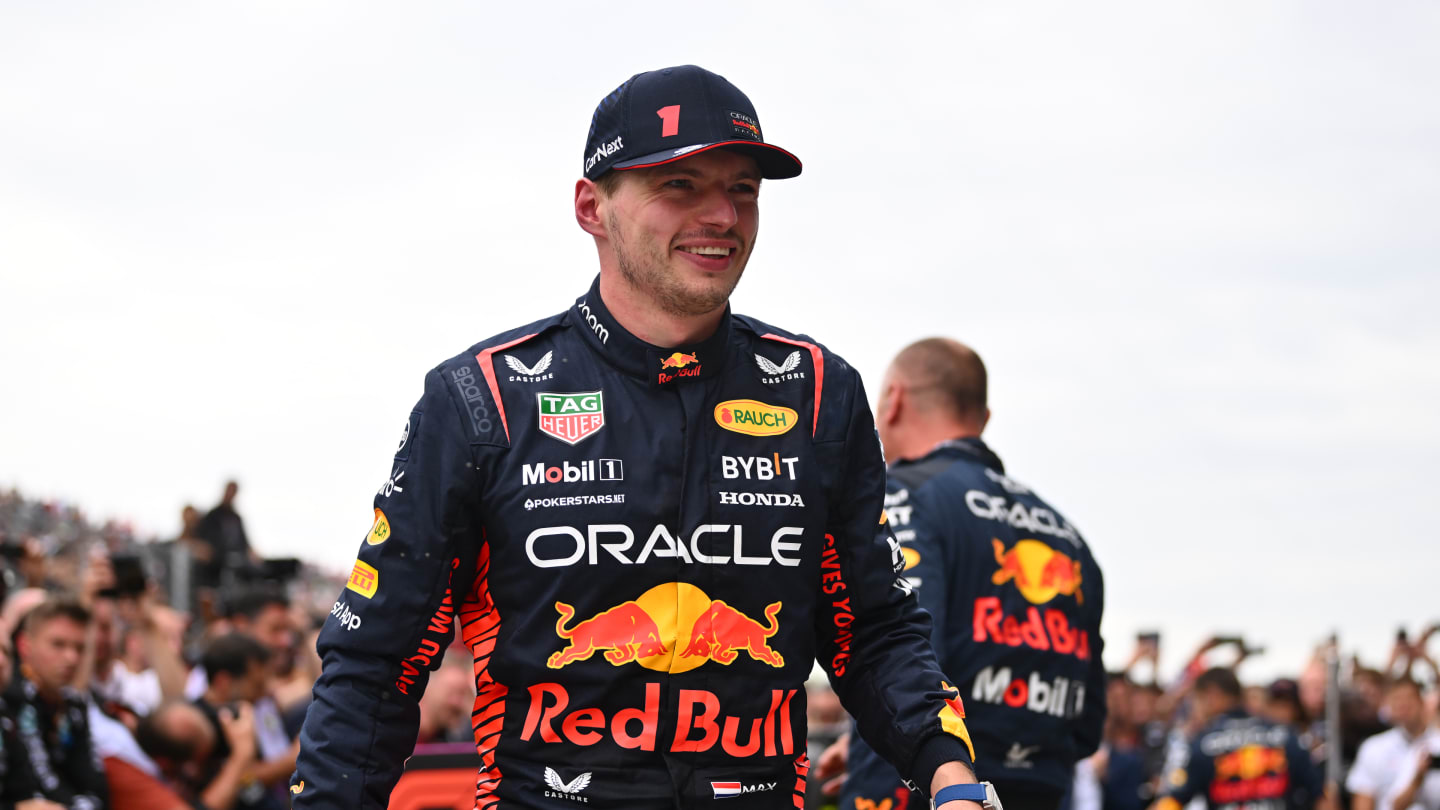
775 163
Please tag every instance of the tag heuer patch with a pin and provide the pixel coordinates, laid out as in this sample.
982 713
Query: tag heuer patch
571 418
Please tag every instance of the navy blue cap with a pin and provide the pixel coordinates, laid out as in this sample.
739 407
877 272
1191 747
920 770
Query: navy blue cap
668 114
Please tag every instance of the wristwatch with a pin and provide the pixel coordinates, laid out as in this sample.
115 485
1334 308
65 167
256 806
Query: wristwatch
982 792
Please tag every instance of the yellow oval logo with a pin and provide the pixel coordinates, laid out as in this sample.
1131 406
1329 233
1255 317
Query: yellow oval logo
754 418
912 557
379 531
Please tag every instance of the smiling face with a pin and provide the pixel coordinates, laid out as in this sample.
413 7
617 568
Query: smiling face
681 234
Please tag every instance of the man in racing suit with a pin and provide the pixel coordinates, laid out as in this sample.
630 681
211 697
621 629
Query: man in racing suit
1238 761
649 517
1013 590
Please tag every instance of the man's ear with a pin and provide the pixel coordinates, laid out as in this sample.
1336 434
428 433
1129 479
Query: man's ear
891 403
587 208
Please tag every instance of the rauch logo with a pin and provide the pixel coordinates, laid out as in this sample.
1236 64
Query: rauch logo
754 418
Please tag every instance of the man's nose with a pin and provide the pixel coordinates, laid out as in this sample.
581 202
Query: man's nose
718 210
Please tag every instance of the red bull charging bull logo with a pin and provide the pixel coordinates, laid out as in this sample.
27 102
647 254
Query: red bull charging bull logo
1250 762
684 365
678 360
1039 572
674 627
1252 773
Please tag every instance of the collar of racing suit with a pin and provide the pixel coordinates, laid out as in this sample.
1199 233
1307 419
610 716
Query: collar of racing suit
660 365
973 447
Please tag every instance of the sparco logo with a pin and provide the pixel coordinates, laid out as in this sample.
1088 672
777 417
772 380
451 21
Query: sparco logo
348 620
604 150
474 398
1060 697
595 325
562 546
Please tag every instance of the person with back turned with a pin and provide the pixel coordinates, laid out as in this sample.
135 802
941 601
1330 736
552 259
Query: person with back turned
1013 590
1239 762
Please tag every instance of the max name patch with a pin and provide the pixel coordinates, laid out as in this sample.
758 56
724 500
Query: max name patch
754 418
364 579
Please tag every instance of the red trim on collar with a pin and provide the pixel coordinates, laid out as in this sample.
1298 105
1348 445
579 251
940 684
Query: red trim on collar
486 359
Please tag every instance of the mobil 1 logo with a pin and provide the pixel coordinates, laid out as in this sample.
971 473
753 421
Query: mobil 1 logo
592 469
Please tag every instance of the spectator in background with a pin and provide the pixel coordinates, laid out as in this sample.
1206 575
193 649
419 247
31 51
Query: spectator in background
17 604
54 757
1360 711
1421 790
1282 705
238 672
204 568
263 613
149 667
447 702
1118 768
181 739
1387 764
224 531
293 694
1237 760
200 549
140 775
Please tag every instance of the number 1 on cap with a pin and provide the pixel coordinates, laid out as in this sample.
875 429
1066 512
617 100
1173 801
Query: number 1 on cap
670 116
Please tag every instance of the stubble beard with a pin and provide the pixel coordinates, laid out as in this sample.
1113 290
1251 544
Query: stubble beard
646 269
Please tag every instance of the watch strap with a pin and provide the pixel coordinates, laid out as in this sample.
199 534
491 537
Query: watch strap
973 792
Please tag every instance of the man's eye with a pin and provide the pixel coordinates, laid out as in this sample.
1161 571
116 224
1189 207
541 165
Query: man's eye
678 182
746 188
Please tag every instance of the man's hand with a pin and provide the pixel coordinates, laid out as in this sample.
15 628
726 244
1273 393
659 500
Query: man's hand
831 768
99 575
239 728
953 773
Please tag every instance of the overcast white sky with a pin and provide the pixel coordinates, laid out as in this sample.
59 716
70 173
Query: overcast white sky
1196 243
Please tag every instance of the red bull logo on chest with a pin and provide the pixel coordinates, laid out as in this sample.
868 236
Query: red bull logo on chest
674 627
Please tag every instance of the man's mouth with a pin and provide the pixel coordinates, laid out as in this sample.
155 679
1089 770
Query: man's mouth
708 251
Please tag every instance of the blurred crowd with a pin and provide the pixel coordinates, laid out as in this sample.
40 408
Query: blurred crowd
163 674
1373 729
1383 720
